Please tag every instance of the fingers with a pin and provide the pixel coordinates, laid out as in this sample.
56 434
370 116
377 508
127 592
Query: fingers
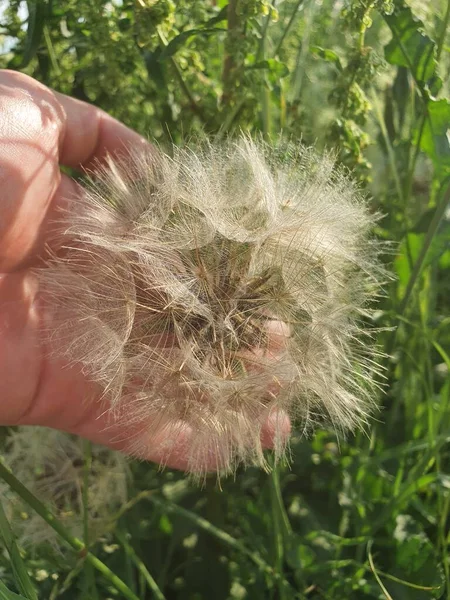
31 122
276 430
39 130
66 401
20 359
79 134
90 134
38 390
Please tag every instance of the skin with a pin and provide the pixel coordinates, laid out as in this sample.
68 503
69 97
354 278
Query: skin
41 130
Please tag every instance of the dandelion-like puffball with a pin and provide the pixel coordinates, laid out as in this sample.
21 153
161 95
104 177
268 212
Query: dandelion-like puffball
211 288
51 464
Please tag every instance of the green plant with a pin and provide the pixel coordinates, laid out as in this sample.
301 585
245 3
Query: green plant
357 519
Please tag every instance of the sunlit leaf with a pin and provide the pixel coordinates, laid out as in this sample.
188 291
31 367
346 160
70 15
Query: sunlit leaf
327 55
434 140
272 65
410 46
174 45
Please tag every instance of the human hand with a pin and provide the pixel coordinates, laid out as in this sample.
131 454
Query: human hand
39 131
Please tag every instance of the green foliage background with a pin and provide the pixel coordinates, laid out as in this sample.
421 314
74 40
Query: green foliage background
365 518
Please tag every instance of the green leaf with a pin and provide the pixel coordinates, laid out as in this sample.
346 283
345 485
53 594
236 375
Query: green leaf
37 11
422 225
401 91
21 576
221 16
434 140
415 556
439 245
165 524
174 45
154 67
410 46
327 55
274 66
19 569
299 556
401 263
6 594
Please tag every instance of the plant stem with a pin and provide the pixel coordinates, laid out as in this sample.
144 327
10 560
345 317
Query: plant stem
417 269
394 170
51 51
390 149
432 230
21 577
221 535
422 91
265 92
265 112
87 453
153 586
375 573
300 60
229 63
441 41
230 118
288 27
184 86
363 28
260 54
279 523
74 542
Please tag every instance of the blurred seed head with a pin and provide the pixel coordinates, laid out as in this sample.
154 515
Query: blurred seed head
211 288
50 464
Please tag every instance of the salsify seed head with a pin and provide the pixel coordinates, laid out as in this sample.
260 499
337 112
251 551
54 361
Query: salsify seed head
213 287
51 464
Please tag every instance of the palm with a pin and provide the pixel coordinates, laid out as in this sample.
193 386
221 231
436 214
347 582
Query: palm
39 131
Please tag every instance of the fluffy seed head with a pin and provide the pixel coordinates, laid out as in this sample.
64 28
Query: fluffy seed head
50 463
211 288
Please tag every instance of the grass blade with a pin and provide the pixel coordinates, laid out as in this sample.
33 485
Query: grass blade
72 541
20 572
6 594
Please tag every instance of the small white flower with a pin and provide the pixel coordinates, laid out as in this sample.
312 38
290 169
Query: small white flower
41 575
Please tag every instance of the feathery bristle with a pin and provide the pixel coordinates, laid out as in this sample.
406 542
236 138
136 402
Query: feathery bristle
176 272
